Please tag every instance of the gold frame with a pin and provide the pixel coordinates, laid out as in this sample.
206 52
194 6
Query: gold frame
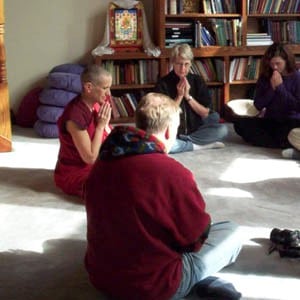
128 38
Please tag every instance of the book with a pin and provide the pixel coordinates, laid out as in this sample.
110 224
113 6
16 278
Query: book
121 107
190 6
114 109
129 109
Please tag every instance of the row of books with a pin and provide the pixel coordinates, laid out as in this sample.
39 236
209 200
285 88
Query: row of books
227 31
132 72
123 106
179 32
244 68
175 7
273 6
222 32
259 39
210 69
219 6
283 31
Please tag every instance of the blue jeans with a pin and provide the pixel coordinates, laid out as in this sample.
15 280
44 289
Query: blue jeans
211 131
219 250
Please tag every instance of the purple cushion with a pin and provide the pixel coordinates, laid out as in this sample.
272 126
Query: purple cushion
66 81
46 130
49 113
69 68
56 97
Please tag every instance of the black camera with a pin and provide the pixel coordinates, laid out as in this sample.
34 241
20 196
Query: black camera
285 237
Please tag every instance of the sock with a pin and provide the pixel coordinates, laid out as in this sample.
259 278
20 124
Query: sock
291 153
215 145
214 288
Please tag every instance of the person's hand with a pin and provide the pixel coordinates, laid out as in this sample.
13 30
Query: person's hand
104 115
187 88
276 79
181 87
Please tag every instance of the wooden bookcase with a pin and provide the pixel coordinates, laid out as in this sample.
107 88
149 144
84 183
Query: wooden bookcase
249 23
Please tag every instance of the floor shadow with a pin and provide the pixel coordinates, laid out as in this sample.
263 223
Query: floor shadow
57 273
18 183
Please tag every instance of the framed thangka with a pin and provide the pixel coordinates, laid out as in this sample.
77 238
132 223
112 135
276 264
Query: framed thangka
126 28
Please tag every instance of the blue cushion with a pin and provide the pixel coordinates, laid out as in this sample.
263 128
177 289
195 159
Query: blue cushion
49 113
46 130
56 97
66 81
69 68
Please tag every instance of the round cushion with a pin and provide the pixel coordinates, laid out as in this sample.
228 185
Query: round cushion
56 97
243 107
49 113
69 68
66 81
294 138
26 114
46 130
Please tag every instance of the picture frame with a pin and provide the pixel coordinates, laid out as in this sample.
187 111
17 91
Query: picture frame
126 28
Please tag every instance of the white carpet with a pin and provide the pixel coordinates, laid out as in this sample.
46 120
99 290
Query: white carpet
42 231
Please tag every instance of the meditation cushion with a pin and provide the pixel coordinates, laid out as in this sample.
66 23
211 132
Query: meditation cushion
45 129
56 97
69 68
26 114
66 81
294 138
240 108
48 113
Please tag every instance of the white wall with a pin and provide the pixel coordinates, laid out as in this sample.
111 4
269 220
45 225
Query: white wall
40 34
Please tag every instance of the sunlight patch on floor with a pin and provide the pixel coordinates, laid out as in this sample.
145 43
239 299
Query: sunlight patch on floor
228 192
264 287
27 228
245 170
31 155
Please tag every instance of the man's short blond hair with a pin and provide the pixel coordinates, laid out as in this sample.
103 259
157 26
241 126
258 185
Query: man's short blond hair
155 112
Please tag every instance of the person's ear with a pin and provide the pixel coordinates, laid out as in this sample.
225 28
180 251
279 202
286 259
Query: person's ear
167 133
88 86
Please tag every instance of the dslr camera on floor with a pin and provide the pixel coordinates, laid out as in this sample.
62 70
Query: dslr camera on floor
286 241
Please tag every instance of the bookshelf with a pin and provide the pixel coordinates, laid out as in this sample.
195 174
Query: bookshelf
243 18
257 18
133 72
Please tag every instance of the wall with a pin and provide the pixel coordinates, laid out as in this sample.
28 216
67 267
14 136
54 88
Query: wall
40 34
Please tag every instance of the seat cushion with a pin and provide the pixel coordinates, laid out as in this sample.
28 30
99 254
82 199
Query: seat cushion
46 130
243 107
294 138
26 114
69 68
56 97
49 113
66 81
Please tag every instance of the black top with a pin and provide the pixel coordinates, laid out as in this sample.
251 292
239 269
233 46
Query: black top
189 120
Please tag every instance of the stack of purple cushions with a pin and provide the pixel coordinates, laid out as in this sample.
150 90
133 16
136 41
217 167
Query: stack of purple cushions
63 85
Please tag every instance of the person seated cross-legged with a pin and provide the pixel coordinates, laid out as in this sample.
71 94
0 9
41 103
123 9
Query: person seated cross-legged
149 235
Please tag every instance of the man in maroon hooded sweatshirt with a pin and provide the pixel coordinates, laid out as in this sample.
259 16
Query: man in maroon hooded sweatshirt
149 236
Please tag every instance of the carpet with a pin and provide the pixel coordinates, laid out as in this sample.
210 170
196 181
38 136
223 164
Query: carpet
43 231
